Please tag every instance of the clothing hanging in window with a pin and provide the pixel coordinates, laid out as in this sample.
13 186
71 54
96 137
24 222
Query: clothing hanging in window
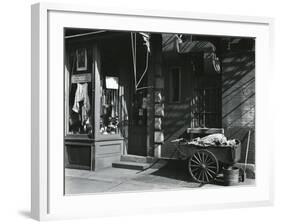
81 95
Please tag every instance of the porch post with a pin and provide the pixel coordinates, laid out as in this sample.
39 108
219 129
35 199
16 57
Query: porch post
154 77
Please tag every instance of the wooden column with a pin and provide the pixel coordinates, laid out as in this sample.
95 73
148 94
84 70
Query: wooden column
154 72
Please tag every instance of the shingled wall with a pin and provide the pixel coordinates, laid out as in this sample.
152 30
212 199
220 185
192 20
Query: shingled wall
238 99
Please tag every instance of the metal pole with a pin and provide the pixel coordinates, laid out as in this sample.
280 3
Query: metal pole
247 150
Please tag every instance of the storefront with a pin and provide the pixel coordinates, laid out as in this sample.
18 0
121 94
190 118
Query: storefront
134 92
108 97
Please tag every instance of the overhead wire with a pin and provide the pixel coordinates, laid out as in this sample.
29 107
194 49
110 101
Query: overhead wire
135 46
134 60
145 70
134 54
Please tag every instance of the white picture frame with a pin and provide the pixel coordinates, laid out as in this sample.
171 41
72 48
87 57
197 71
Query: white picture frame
47 196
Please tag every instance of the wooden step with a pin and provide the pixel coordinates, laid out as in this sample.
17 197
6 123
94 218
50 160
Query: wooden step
137 159
131 165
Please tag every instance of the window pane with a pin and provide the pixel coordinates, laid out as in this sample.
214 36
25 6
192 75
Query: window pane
80 108
79 91
110 106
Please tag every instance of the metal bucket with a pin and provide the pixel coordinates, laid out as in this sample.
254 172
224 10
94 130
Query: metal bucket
231 176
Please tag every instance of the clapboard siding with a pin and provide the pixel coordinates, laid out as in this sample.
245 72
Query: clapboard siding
238 99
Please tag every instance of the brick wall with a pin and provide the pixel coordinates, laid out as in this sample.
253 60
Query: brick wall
238 99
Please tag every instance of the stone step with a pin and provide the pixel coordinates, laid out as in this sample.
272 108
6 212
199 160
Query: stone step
131 165
137 159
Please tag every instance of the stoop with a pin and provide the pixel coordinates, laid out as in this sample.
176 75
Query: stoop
134 162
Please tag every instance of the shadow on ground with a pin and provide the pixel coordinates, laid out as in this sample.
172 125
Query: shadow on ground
175 169
178 170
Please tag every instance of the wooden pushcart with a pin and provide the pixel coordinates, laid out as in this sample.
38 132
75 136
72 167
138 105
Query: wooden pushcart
205 162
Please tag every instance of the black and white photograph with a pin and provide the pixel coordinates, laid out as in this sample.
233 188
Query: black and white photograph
148 111
140 112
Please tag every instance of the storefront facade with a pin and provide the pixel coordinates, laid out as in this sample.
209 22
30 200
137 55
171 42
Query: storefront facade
133 92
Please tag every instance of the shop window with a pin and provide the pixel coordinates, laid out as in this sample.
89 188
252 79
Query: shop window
93 103
175 84
79 87
80 108
110 106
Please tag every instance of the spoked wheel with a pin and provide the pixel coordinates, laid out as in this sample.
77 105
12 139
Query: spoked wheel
203 166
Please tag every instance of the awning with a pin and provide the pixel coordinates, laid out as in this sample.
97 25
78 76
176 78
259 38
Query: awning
175 43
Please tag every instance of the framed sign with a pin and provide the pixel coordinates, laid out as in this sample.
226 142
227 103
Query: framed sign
83 77
67 143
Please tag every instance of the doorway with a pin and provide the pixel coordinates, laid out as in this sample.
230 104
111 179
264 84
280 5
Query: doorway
138 124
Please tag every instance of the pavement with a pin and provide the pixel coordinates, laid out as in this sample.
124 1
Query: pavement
163 175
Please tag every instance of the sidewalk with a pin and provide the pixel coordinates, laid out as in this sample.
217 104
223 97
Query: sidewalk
162 175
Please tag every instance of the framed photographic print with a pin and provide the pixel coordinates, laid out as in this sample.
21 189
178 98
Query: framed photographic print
81 59
133 109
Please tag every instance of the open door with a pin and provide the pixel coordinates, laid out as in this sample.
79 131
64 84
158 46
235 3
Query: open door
138 125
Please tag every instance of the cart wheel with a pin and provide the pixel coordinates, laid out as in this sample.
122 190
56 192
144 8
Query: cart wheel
203 166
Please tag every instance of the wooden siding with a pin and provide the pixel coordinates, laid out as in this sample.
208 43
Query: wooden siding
238 99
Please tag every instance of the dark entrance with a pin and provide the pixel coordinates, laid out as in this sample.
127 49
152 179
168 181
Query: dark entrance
138 124
137 139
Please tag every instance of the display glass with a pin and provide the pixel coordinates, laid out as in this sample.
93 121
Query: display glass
79 105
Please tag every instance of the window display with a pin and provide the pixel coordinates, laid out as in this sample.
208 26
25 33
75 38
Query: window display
80 106
110 107
79 87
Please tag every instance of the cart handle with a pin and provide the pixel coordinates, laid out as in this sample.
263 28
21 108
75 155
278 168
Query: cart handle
177 140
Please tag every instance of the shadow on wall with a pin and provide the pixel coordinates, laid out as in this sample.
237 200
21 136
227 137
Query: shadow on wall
176 116
238 99
176 121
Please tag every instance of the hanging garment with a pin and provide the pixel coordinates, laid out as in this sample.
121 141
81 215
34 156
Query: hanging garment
81 95
146 39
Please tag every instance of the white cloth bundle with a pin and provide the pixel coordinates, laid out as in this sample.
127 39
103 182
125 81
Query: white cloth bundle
213 139
81 95
217 139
